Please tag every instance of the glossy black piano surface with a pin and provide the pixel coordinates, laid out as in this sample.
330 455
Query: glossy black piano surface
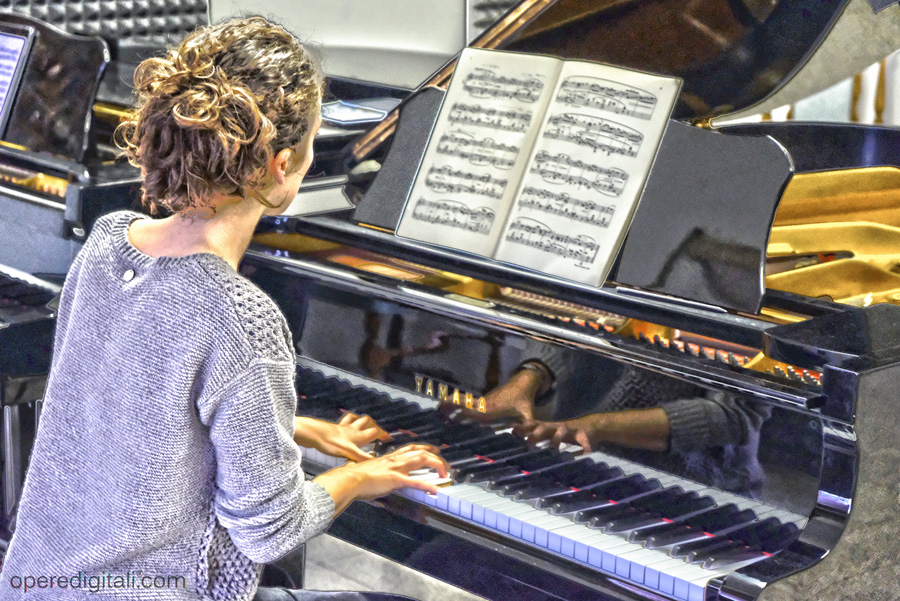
386 326
419 322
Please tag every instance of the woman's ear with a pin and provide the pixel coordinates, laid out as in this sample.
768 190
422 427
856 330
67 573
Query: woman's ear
281 164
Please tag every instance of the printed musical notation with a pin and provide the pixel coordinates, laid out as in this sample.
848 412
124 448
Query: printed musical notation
562 169
563 205
485 83
446 180
455 214
474 114
595 133
535 234
478 152
605 95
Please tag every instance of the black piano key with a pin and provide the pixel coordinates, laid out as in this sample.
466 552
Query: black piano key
485 475
495 447
785 535
739 555
697 527
557 472
347 399
598 516
516 460
613 490
653 519
309 379
600 476
420 420
373 401
747 533
392 410
712 547
325 389
469 437
767 543
639 521
536 490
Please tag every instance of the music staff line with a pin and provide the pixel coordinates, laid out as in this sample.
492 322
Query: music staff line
505 120
478 151
485 83
562 169
606 95
563 205
595 133
446 180
478 220
534 234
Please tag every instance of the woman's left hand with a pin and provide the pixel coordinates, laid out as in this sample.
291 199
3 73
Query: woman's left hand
342 439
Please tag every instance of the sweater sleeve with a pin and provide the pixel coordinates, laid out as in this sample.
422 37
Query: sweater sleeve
262 497
716 419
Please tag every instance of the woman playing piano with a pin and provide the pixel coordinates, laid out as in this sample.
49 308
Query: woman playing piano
166 465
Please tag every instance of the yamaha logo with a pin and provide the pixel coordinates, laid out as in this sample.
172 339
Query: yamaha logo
427 387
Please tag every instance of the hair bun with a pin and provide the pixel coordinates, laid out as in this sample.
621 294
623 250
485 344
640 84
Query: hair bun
211 112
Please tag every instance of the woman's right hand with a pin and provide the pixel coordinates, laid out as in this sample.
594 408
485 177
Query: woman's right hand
387 473
381 475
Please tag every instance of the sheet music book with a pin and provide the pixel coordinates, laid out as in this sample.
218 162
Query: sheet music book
539 161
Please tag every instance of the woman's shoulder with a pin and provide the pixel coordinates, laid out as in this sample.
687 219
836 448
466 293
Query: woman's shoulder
244 305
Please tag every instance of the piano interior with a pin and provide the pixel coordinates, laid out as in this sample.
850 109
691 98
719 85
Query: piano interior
418 337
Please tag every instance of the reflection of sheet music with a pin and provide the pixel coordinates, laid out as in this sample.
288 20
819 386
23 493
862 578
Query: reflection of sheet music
606 95
597 134
446 180
455 214
563 205
535 234
474 114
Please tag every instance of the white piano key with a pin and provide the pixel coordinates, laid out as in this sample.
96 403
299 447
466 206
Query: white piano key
545 525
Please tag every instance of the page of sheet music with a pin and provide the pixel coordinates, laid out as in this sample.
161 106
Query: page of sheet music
478 149
598 140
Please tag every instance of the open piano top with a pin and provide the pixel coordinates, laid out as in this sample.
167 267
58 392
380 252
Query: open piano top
389 327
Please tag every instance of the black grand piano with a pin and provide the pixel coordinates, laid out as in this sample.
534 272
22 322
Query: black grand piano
394 328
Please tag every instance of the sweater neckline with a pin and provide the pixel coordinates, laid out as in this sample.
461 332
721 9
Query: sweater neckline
127 250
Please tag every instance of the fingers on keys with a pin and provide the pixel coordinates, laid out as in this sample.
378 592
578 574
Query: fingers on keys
367 426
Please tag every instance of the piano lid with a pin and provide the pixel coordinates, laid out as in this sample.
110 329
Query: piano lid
731 54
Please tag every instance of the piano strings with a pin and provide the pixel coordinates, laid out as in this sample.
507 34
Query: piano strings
562 169
505 120
454 214
478 151
534 234
605 95
595 133
485 83
446 180
563 205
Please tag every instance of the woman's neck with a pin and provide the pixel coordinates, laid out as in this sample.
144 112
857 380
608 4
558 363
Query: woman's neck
226 233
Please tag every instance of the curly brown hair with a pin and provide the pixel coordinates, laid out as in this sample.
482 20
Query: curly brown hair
211 113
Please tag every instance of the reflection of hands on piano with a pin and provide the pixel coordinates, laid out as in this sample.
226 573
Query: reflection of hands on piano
634 428
342 439
515 399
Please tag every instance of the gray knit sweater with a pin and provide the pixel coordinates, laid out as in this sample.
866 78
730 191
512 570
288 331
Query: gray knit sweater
165 445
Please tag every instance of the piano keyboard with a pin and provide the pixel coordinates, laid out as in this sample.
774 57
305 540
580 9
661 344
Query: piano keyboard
649 528
18 288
